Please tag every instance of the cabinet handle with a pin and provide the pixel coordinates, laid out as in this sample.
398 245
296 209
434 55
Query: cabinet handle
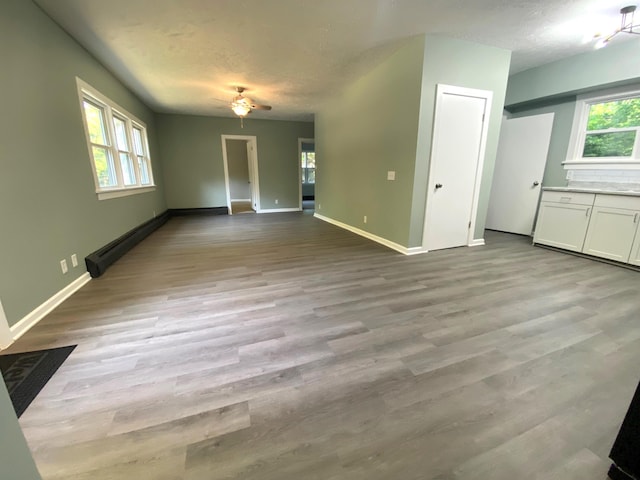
588 211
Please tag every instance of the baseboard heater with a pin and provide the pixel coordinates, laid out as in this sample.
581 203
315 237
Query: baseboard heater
181 212
98 261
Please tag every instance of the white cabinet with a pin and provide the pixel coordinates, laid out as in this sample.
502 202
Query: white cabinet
634 258
563 219
613 227
602 225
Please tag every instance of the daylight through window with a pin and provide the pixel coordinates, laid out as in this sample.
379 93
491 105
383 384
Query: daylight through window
308 167
118 146
605 133
612 129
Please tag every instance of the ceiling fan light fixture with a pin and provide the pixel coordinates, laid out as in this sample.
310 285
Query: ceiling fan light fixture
240 108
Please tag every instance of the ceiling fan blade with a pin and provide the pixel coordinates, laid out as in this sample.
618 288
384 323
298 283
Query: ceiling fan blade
260 107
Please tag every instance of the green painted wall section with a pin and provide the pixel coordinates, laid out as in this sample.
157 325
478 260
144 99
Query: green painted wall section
16 462
369 129
48 205
463 64
193 168
554 173
617 64
238 168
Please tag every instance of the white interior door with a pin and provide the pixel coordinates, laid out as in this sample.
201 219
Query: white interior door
520 162
252 174
459 138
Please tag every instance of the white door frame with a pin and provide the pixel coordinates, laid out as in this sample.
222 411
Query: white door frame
300 142
441 90
6 337
253 168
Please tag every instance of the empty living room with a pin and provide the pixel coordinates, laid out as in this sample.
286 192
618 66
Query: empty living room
277 240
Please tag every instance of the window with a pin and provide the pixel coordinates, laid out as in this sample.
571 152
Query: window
308 167
606 132
117 144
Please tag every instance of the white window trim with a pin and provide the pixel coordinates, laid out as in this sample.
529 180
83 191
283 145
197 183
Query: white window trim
124 192
574 160
104 193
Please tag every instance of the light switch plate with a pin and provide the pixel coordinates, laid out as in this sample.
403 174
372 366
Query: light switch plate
391 175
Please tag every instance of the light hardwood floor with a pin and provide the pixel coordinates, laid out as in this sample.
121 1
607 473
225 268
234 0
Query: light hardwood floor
280 347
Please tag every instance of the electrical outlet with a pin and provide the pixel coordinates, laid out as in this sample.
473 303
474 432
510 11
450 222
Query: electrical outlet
74 260
365 219
276 201
63 266
319 206
391 175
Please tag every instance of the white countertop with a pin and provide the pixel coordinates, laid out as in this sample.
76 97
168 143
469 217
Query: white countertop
629 193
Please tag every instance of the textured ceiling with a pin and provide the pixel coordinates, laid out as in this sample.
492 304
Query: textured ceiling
186 56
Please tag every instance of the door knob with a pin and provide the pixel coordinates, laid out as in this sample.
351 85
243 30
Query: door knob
438 185
536 183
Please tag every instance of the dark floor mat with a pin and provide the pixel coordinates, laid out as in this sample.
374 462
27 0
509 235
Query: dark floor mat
25 374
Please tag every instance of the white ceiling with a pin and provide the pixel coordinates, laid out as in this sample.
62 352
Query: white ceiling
185 56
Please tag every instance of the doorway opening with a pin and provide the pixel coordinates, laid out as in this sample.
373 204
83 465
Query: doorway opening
307 172
240 157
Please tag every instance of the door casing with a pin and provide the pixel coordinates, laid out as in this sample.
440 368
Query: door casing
252 151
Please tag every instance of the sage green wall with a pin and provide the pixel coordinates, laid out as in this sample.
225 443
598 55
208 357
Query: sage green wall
617 64
463 64
191 149
16 462
370 129
554 173
238 167
48 204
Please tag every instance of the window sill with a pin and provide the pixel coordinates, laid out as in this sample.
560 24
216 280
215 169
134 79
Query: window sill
584 164
124 192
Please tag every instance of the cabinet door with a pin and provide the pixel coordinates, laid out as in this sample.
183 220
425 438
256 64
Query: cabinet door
611 233
634 258
562 225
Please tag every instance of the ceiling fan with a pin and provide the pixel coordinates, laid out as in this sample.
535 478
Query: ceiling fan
243 106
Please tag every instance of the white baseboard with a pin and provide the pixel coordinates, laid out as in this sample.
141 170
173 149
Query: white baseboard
279 210
31 319
6 338
382 241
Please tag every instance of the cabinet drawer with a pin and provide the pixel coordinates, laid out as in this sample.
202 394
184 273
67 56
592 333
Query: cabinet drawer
572 198
617 201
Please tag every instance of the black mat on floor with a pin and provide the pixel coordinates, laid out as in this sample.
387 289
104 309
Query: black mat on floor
26 373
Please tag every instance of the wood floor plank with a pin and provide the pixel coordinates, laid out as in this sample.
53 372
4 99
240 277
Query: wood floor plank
279 347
